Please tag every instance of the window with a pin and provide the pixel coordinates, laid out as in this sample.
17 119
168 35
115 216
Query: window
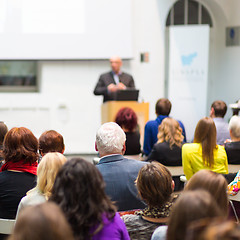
18 76
186 12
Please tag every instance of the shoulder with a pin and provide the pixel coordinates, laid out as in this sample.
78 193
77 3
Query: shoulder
189 146
105 75
221 149
151 123
126 75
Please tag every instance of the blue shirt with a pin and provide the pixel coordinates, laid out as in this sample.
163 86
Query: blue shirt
151 131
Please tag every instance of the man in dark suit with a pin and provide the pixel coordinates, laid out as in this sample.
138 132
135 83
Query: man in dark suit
113 81
119 173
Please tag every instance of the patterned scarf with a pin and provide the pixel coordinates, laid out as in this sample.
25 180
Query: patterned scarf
158 212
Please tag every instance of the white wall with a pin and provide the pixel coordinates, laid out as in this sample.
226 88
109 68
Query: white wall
66 102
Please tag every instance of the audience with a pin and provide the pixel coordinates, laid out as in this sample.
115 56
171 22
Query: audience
3 132
217 113
168 149
119 173
232 146
42 222
51 141
79 191
213 183
127 119
162 109
18 174
46 174
155 186
204 153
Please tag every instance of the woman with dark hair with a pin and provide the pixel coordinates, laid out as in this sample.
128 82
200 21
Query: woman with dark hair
127 119
213 183
79 191
42 222
168 149
204 153
18 174
155 187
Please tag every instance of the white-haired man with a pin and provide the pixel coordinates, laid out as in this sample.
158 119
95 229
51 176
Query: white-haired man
119 173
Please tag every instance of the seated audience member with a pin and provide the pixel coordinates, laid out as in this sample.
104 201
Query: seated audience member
168 149
44 221
213 183
119 173
204 153
155 186
162 109
3 132
46 174
217 113
79 191
232 146
190 206
51 141
127 119
213 229
18 174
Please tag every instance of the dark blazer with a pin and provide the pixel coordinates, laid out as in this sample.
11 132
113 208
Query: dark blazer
162 153
106 79
233 152
119 174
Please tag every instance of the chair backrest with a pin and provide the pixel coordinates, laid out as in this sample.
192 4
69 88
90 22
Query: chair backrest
6 225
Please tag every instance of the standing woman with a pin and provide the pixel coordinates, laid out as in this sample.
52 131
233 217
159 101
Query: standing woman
18 174
204 153
79 191
168 149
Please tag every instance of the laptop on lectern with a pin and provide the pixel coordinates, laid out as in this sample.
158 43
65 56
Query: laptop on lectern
126 95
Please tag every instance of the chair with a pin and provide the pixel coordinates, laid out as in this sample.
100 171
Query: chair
6 225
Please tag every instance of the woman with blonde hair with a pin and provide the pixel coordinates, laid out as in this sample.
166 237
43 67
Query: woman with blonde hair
168 149
204 153
46 174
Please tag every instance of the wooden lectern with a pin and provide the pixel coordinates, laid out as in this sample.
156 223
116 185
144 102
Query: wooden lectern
109 111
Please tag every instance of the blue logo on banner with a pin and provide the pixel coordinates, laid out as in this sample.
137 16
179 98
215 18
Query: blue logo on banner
187 60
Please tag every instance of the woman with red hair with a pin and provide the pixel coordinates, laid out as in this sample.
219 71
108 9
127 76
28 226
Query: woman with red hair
127 119
18 174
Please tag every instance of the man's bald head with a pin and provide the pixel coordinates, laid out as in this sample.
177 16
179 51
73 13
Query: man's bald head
116 63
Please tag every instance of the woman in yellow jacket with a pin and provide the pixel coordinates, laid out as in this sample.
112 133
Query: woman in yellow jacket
204 153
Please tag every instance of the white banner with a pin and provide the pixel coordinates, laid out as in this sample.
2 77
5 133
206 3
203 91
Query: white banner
188 74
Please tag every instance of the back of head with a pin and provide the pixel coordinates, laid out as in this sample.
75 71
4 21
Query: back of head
41 222
205 133
170 131
47 170
189 207
126 118
234 126
3 132
220 108
154 184
20 144
163 107
212 182
51 141
110 139
79 191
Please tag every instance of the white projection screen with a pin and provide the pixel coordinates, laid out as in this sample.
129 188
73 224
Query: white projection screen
188 74
60 29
